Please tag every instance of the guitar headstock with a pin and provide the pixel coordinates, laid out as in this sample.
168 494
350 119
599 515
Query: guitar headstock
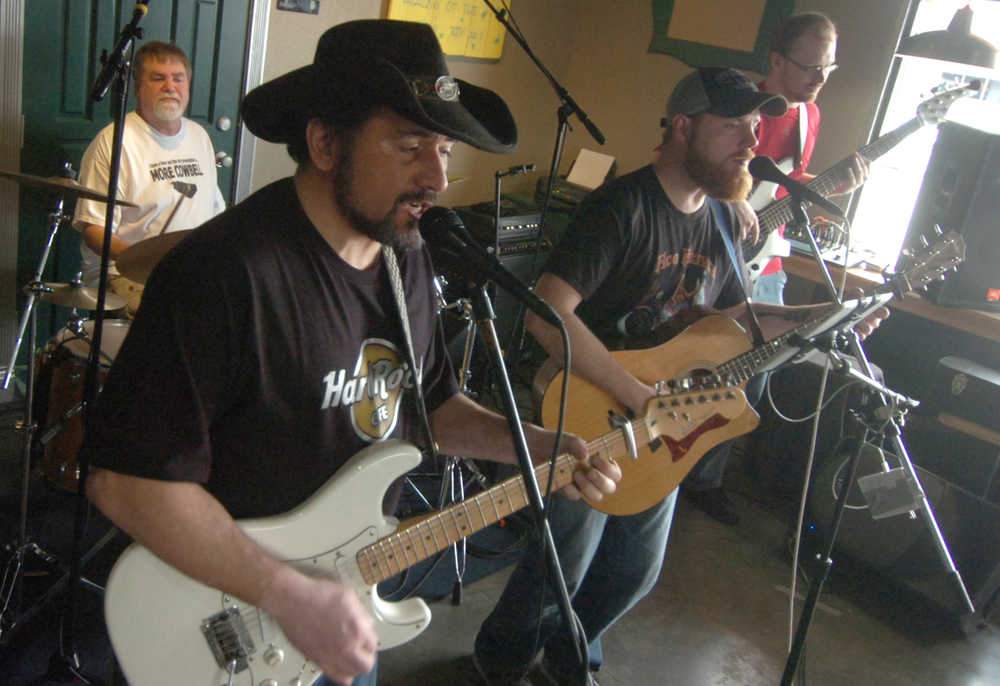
934 109
931 263
677 412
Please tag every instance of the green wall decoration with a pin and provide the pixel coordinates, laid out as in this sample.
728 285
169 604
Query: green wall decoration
717 33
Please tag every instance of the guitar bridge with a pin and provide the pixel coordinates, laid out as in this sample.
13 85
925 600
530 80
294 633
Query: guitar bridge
228 639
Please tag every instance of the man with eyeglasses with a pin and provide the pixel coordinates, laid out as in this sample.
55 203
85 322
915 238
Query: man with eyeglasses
803 54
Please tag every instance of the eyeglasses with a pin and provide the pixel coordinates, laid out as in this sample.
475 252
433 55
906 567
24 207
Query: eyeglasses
824 70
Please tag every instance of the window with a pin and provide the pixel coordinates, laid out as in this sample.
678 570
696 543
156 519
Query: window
886 202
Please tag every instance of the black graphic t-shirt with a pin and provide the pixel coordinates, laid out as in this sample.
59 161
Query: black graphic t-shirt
638 261
260 361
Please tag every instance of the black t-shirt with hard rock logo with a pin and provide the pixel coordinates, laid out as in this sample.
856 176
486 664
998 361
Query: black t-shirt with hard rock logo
260 361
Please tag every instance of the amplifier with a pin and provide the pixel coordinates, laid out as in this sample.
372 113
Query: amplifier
514 227
564 193
966 389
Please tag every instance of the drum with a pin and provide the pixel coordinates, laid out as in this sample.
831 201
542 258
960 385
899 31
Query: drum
62 370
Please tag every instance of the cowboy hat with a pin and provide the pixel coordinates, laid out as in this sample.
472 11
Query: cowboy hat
381 62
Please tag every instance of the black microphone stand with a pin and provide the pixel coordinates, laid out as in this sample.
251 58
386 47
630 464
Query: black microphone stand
567 107
483 314
116 73
892 427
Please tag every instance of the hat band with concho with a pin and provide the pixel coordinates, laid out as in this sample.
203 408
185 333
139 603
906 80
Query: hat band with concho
382 62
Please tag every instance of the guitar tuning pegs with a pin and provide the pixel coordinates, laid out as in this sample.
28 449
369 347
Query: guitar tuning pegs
937 230
923 241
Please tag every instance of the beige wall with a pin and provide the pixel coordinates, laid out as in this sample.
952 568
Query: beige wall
626 87
598 51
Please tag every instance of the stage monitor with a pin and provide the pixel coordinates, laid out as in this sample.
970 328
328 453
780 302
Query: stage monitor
961 192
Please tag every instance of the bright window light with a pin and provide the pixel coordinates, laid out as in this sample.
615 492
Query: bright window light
886 201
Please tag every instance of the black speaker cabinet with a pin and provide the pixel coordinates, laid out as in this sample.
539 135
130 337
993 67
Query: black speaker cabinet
961 192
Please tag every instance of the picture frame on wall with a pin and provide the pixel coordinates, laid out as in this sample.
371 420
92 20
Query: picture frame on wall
738 34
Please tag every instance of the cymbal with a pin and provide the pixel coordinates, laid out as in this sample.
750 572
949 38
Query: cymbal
138 260
73 294
61 184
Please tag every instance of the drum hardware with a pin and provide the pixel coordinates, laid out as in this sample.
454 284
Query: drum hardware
74 295
453 482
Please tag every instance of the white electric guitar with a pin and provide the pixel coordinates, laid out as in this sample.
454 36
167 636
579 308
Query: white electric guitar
774 214
167 629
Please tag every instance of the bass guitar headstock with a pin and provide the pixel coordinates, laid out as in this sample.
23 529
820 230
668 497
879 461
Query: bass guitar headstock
933 110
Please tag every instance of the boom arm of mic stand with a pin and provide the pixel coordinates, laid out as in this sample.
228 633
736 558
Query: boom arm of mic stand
563 94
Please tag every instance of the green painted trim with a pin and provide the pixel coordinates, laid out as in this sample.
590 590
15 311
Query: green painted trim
701 55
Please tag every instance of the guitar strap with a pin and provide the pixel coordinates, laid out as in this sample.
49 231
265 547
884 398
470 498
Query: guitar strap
803 133
725 230
392 266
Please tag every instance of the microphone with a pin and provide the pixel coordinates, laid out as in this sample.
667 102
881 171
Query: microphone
764 168
519 169
442 228
114 61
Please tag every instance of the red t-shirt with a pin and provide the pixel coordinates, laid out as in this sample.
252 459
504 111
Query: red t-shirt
778 138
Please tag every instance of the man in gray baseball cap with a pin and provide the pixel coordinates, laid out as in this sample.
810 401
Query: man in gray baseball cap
644 250
723 92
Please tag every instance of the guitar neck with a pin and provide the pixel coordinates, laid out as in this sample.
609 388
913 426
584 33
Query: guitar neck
742 367
780 212
415 543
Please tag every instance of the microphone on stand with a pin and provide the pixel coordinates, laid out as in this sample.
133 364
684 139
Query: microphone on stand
443 229
763 168
114 61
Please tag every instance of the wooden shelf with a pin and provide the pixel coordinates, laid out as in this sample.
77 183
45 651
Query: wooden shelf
976 322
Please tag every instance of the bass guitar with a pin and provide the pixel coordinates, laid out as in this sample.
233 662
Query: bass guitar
714 347
773 214
169 629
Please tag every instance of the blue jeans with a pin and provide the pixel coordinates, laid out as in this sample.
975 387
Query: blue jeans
369 679
609 563
770 288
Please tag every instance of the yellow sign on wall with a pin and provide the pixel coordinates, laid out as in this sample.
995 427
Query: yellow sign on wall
463 27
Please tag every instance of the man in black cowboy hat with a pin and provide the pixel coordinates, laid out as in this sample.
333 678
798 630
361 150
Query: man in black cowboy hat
269 348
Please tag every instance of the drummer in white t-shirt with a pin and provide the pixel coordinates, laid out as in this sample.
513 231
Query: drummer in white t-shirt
167 166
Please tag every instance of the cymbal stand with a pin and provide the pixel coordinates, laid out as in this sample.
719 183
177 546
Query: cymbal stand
452 489
10 590
55 220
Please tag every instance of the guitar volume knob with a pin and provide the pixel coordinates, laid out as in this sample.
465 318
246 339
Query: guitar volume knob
274 656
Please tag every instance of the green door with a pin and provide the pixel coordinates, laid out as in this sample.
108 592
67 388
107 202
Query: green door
63 42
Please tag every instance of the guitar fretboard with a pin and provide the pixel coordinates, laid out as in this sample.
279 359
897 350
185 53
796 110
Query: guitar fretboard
780 212
397 552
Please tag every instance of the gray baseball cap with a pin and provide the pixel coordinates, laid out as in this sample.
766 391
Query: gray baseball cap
723 92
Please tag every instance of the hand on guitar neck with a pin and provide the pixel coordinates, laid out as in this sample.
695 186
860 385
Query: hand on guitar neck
856 172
